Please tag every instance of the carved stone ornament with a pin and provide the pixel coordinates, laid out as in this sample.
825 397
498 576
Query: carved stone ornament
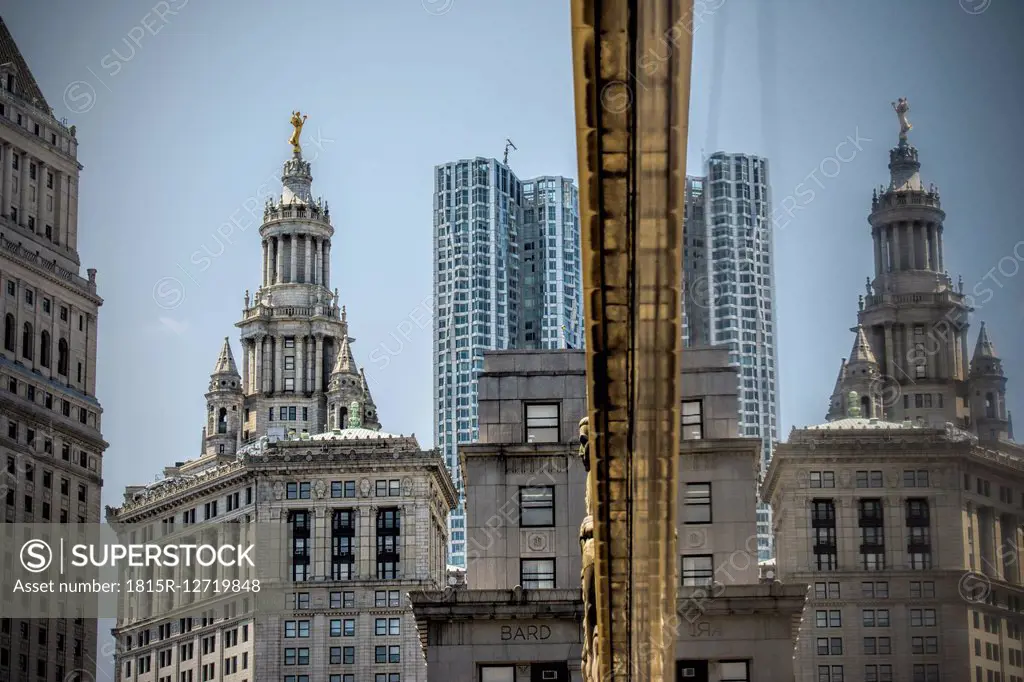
320 490
364 487
407 486
279 491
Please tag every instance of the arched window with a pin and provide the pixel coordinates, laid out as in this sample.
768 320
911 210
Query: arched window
865 407
990 406
27 342
44 348
62 357
222 420
342 417
9 333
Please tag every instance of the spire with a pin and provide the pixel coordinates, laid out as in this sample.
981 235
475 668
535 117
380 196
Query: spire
861 352
367 398
26 88
840 379
346 362
225 361
1009 426
984 348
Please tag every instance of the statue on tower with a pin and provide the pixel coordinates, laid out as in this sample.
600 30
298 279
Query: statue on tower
298 120
902 107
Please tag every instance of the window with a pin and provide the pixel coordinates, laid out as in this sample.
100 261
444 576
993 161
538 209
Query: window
828 619
922 618
542 423
698 570
877 646
926 673
693 420
878 673
823 479
924 645
915 478
875 618
537 507
872 535
826 590
537 574
493 673
823 523
870 479
343 488
296 628
697 503
830 646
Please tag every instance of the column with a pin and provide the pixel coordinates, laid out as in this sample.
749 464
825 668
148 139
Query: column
58 204
318 364
963 350
307 276
997 543
23 191
5 208
878 251
942 339
897 261
938 248
327 263
277 260
300 342
266 261
245 365
278 364
321 543
889 351
293 246
260 373
366 558
933 262
318 260
40 197
912 236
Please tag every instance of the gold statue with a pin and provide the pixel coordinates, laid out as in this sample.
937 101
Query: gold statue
589 662
901 108
298 120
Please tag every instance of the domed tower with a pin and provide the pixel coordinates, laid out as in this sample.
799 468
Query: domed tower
224 400
292 328
913 317
988 391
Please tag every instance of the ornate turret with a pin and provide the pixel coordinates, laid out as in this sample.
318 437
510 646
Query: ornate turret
859 375
346 386
224 400
369 408
988 391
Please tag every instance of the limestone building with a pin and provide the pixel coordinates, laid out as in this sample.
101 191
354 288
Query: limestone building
905 511
518 615
52 446
344 518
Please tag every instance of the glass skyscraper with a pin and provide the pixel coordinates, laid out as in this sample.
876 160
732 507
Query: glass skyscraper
506 275
732 301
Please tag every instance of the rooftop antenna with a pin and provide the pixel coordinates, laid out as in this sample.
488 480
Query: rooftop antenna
508 146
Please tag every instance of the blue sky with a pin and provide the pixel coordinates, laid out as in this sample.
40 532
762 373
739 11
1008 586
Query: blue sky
182 119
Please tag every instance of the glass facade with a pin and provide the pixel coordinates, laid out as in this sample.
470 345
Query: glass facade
506 275
732 301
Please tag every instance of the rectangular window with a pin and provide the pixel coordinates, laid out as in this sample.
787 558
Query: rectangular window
537 574
693 420
734 671
289 384
698 570
537 507
542 423
697 503
830 646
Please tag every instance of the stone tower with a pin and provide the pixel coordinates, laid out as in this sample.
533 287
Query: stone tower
224 406
293 329
988 391
909 360
914 321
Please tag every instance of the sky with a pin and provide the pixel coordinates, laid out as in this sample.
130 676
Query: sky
182 112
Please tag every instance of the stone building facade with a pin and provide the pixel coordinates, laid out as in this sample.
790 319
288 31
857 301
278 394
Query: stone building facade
905 511
344 518
518 616
52 448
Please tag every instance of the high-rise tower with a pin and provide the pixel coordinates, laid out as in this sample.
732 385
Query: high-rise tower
731 302
913 318
53 449
506 275
294 334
